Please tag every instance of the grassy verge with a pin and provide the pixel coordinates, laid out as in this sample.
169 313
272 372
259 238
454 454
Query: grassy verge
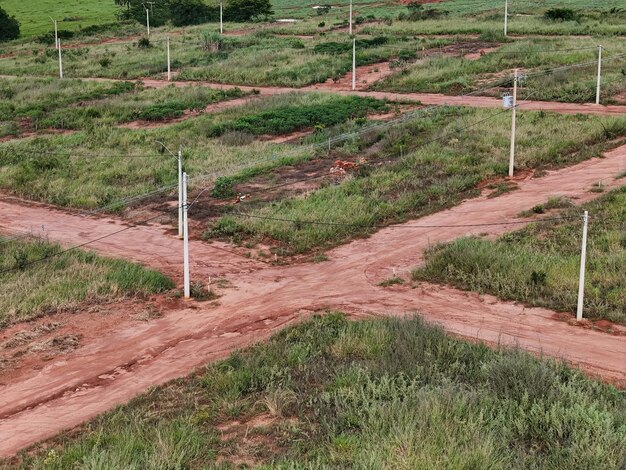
456 75
373 394
65 280
539 265
434 176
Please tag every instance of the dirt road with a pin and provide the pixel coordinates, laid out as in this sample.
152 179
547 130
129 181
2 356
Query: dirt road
366 76
117 366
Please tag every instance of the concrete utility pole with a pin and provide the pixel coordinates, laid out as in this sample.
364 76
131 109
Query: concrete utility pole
583 261
350 17
187 289
56 33
221 18
60 61
599 74
180 193
169 67
147 20
353 64
513 125
506 17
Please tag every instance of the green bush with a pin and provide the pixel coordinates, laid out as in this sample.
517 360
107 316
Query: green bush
9 26
188 12
561 14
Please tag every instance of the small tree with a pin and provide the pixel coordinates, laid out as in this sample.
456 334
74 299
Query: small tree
560 14
185 12
9 26
246 10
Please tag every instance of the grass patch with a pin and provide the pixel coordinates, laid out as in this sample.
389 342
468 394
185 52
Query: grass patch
55 169
331 393
291 118
35 104
394 281
533 56
425 180
65 280
539 265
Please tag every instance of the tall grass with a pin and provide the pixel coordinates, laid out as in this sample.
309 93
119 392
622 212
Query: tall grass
73 104
433 177
391 393
456 75
539 265
64 280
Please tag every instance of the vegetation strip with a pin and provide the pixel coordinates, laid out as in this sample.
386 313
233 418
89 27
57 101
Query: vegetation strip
539 264
334 393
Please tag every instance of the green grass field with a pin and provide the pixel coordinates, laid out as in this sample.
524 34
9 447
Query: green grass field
64 281
34 15
539 265
390 393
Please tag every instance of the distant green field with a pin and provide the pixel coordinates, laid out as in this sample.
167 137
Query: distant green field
34 15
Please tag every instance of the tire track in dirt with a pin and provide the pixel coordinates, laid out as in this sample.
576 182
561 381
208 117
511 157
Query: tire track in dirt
116 367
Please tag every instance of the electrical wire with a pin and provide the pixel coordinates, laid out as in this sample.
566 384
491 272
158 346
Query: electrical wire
395 226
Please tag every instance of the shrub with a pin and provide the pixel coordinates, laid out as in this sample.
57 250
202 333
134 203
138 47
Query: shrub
187 12
417 12
323 9
105 62
560 14
246 10
9 26
223 187
144 43
211 41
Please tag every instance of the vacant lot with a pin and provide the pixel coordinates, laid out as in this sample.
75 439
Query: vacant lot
429 164
65 279
546 65
337 394
31 105
103 164
540 264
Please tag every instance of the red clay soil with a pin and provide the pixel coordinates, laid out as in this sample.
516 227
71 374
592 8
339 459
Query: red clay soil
114 367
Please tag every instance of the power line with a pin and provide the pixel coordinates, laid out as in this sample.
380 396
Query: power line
402 226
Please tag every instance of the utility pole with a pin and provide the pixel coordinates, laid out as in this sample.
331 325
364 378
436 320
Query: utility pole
185 240
169 67
147 20
506 17
56 33
350 17
353 64
221 18
60 61
583 261
180 192
599 74
514 110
